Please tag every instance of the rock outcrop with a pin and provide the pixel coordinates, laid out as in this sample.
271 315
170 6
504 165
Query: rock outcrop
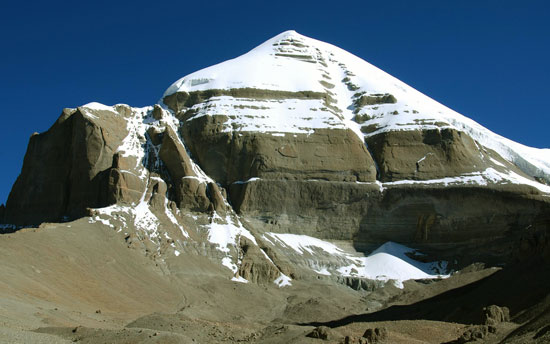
427 154
494 315
67 168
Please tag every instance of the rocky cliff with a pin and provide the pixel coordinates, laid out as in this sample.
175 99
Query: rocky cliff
296 140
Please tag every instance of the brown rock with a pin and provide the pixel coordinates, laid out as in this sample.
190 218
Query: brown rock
428 154
216 197
374 335
493 315
327 154
474 334
125 186
174 156
321 332
157 112
66 169
191 193
158 193
254 265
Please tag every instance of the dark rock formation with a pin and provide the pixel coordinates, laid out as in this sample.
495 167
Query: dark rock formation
493 315
474 334
321 332
374 335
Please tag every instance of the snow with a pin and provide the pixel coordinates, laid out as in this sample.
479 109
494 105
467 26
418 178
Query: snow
224 232
239 279
106 222
424 158
283 281
489 176
303 243
259 68
322 271
177 253
273 116
98 106
228 263
253 179
389 262
145 220
173 219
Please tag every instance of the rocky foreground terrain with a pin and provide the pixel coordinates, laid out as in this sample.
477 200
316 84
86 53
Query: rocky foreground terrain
295 194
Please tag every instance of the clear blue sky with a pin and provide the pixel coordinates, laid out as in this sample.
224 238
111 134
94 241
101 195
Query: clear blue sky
485 59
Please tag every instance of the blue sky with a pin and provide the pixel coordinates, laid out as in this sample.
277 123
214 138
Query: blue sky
485 59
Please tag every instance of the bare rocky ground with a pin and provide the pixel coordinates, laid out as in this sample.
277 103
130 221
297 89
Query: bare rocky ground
80 282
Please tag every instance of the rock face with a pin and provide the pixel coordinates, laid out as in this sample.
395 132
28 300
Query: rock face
295 137
67 168
426 154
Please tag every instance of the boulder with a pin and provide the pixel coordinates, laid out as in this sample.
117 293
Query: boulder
475 333
322 332
374 335
493 315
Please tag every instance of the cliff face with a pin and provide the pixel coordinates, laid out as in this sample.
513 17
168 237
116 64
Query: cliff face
66 169
297 137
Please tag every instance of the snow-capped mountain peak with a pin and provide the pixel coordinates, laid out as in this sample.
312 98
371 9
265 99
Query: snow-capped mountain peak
336 90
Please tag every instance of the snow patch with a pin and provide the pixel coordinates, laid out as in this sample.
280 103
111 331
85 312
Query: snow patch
253 179
303 243
239 279
389 262
283 281
224 232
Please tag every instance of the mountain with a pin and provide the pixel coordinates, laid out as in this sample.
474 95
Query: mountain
296 168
